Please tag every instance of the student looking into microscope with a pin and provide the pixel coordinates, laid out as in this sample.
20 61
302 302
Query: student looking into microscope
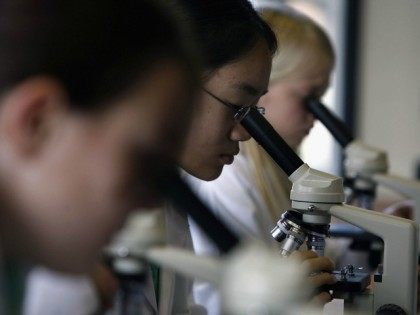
253 192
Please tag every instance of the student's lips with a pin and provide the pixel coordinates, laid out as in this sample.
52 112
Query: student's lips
227 158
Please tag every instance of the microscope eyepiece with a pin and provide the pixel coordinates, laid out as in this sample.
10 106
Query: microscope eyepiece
261 130
337 128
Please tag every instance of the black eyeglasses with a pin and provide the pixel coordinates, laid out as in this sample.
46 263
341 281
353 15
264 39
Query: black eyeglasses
239 111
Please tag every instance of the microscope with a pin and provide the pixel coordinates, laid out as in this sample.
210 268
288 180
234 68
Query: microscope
361 161
365 166
316 196
278 285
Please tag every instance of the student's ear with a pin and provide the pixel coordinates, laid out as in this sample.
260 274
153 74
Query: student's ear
29 114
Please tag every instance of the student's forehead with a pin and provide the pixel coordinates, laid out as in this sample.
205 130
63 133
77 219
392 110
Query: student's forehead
246 77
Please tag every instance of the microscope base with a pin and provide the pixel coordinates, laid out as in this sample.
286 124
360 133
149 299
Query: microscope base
356 283
352 289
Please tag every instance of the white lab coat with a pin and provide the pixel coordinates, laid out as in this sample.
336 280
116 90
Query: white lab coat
51 293
234 199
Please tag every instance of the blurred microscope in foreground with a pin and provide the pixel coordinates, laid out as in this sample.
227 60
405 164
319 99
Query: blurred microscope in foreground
252 278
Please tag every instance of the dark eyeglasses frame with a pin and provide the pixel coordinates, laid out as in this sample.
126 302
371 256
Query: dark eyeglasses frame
239 111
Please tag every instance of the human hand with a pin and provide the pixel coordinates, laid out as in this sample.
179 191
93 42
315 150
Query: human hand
318 269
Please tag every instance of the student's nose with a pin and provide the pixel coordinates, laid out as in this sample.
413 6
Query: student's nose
239 133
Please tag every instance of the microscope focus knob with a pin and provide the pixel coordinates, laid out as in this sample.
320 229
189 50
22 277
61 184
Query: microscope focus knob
390 309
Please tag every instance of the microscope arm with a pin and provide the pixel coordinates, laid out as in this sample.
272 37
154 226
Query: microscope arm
400 254
186 263
407 187
253 277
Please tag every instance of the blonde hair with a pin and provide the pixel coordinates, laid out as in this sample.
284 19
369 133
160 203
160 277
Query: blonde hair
303 49
270 180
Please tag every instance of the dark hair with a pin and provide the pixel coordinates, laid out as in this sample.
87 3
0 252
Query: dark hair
96 49
225 30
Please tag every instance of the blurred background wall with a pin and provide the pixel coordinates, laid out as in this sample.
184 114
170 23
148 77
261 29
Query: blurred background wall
388 101
376 82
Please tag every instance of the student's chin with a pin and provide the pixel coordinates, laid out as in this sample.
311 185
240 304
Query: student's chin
213 175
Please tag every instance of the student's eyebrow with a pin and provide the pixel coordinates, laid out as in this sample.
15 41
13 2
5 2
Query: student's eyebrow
250 89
